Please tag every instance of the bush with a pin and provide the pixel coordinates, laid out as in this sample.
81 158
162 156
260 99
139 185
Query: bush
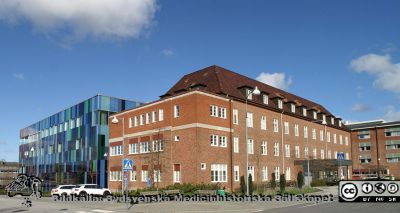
251 186
282 183
300 180
273 181
319 182
242 185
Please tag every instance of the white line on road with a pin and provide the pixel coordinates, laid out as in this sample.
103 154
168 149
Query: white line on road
101 211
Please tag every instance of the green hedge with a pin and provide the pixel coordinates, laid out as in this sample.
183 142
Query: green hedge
319 182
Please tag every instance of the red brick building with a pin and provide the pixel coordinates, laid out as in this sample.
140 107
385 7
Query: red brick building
375 149
195 133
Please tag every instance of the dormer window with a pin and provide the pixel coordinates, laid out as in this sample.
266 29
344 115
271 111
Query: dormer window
249 94
340 123
314 114
304 111
265 99
293 108
333 121
280 104
324 118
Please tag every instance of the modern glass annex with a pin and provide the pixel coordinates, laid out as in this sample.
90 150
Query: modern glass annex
70 147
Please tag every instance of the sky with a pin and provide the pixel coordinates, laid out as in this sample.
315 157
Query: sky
54 54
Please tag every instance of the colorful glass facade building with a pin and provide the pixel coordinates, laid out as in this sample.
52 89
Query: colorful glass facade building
70 147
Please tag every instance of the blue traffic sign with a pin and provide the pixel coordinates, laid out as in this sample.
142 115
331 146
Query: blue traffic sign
340 155
127 164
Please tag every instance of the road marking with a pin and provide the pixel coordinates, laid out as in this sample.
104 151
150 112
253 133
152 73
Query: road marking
102 211
231 210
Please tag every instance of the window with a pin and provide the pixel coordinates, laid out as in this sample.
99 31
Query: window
249 94
276 128
314 114
154 117
335 155
177 173
158 145
250 144
287 150
393 157
144 147
222 141
116 150
160 114
203 166
177 138
263 122
306 152
324 118
329 154
264 147
236 174
219 173
157 176
214 140
141 119
393 144
305 132
340 123
133 175
365 159
235 116
389 132
340 139
236 145
276 171
297 152
287 174
176 111
77 144
314 134
328 137
264 173
321 135
333 121
286 125
133 148
148 118
276 149
130 122
145 175
251 172
334 138
249 119
213 111
222 112
293 108
296 130
265 99
304 112
115 176
136 121
314 152
71 124
346 141
364 134
280 104
347 156
322 154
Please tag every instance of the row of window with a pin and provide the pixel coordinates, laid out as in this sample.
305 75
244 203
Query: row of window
147 118
389 132
216 111
390 158
139 148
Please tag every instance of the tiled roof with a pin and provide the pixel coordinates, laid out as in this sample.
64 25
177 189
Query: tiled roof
218 80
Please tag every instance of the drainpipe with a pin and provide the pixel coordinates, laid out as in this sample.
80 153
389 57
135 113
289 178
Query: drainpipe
283 152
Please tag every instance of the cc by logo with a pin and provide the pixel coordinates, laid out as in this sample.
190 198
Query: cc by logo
349 191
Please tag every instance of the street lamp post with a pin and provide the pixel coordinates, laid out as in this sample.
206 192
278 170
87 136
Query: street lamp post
115 120
256 91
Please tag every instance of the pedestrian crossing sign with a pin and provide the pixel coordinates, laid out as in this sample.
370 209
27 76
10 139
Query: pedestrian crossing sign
127 164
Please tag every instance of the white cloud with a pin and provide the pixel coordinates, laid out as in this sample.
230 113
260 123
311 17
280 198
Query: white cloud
277 80
361 108
168 52
77 19
391 114
387 74
19 76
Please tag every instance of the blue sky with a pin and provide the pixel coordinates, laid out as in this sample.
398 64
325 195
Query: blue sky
341 54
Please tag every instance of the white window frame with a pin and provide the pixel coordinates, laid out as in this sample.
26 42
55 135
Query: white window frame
287 150
219 173
236 174
235 116
160 114
286 129
263 122
177 111
293 108
276 149
296 130
214 140
133 176
264 173
265 99
235 144
223 141
276 125
213 111
264 148
154 117
250 146
249 119
296 151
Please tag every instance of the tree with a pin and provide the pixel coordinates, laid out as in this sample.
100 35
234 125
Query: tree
242 185
300 180
273 182
251 186
282 183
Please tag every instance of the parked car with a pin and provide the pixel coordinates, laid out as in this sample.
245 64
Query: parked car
62 190
90 189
